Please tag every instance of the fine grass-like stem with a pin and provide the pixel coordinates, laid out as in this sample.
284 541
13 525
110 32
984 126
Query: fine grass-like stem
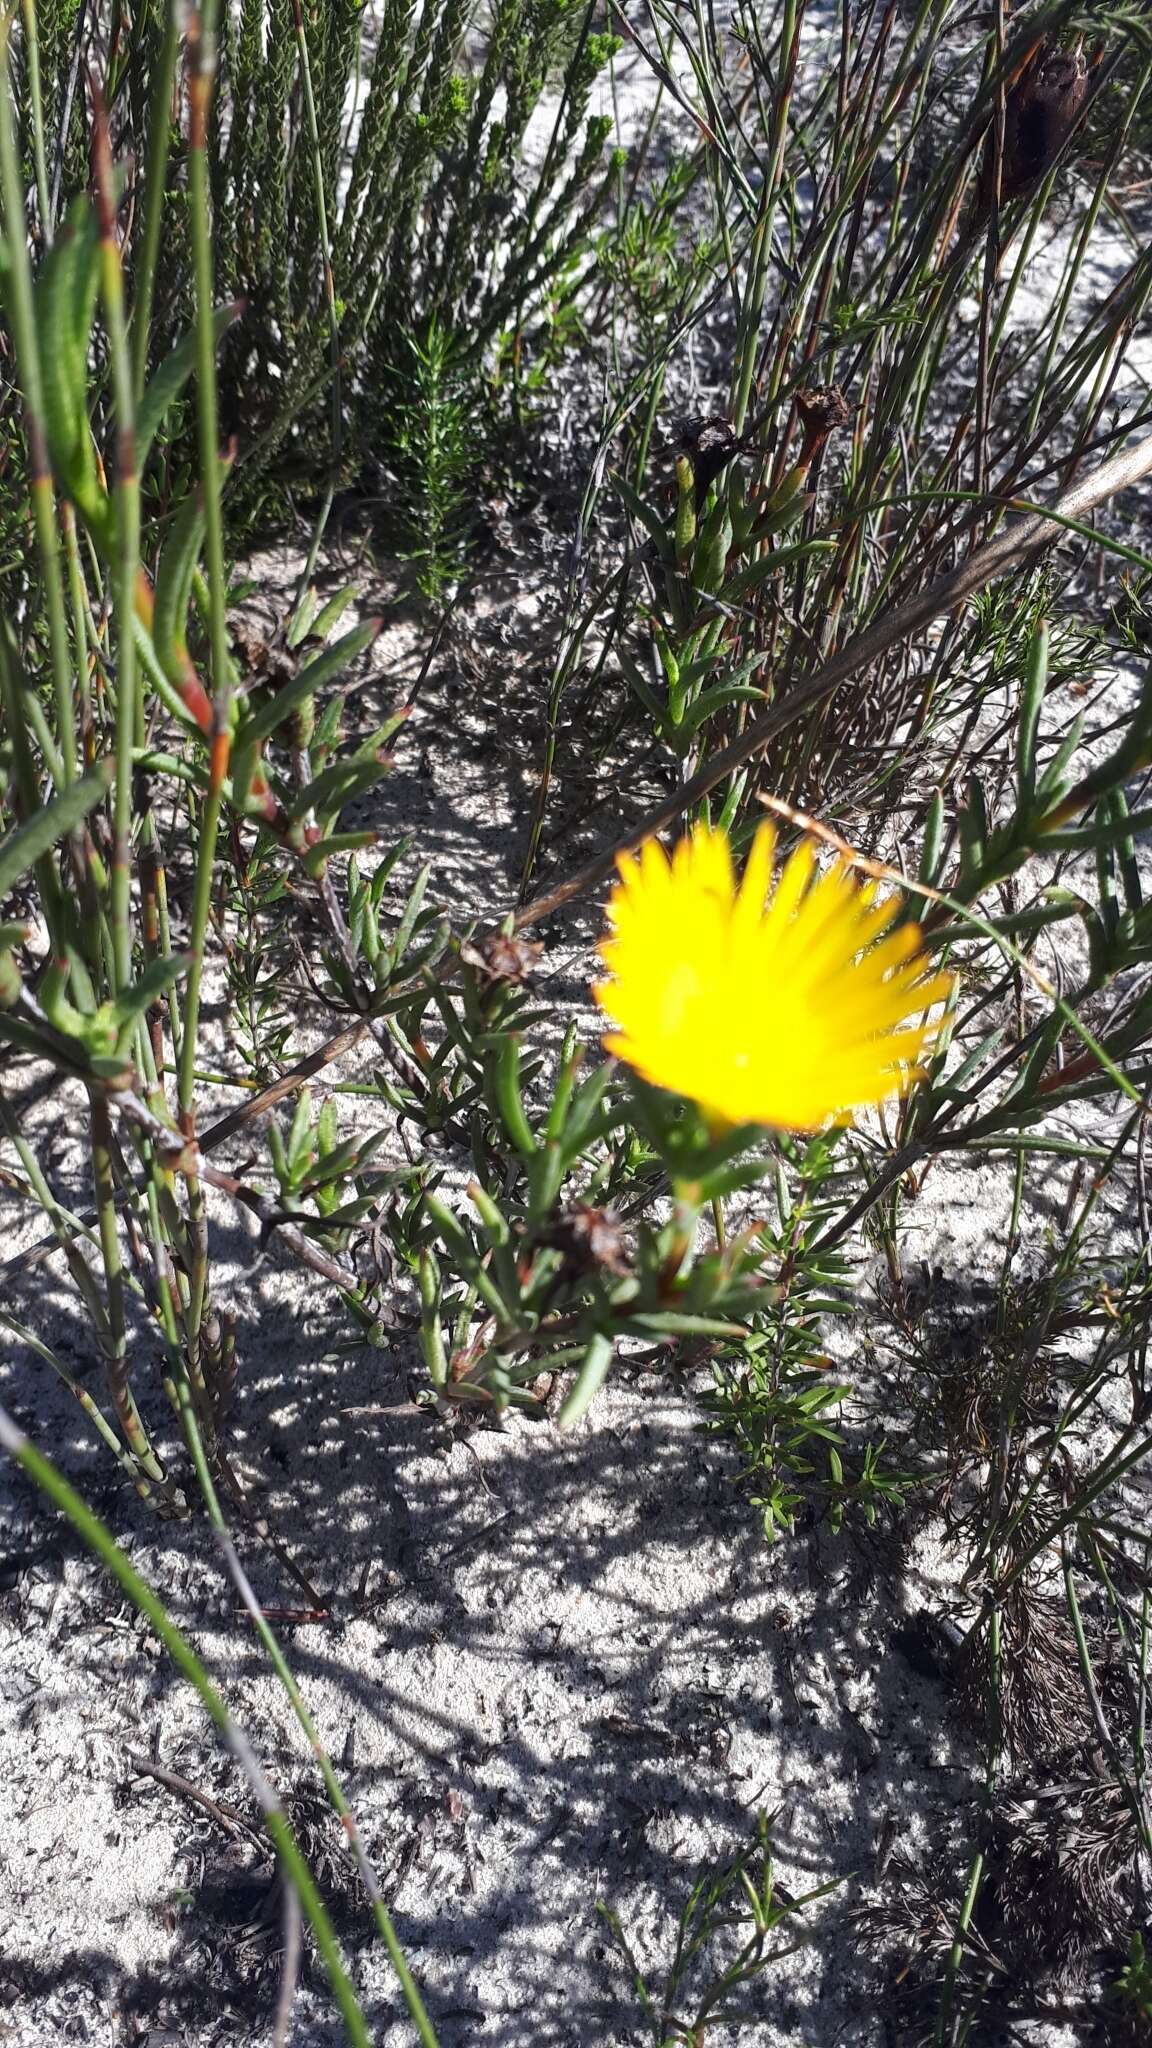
20 310
155 178
129 713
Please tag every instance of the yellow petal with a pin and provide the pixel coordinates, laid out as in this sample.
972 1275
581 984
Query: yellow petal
791 1008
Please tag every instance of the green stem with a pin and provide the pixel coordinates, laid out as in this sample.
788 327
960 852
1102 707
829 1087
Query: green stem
127 502
201 42
202 60
202 63
66 1226
21 315
337 407
756 285
80 1394
155 175
149 1470
32 48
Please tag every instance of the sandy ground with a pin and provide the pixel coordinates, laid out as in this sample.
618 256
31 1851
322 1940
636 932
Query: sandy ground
568 1669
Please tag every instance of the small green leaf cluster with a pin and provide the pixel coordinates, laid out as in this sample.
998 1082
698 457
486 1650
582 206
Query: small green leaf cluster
774 1390
736 1923
718 555
314 1169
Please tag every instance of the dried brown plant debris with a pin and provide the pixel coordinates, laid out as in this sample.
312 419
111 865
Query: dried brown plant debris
1040 1706
1064 1877
1042 109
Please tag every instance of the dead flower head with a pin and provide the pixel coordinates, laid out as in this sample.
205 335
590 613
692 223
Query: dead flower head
500 956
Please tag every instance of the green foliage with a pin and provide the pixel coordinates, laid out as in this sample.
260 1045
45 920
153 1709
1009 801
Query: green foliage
312 1166
322 259
772 1392
430 213
436 456
1133 1987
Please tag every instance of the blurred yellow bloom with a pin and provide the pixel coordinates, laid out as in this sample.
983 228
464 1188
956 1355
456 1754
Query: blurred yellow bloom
786 1009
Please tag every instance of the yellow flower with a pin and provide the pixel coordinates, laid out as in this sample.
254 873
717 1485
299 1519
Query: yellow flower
789 1011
